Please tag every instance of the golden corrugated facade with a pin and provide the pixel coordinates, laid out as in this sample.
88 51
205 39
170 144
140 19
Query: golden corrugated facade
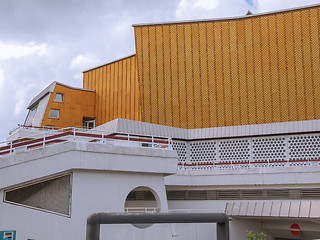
250 70
117 90
76 105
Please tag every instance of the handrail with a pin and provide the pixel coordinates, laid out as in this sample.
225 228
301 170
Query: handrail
245 164
44 139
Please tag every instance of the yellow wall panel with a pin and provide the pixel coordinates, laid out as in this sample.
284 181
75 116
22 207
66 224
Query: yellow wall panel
315 47
234 73
189 77
77 104
299 65
242 74
307 64
220 104
183 106
212 89
258 75
203 68
116 90
257 69
282 69
290 71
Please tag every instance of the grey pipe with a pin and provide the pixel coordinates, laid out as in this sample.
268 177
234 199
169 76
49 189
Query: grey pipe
94 221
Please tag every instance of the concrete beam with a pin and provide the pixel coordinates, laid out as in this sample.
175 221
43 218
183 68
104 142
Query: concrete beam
94 221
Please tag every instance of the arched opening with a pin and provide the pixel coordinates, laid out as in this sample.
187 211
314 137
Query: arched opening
142 199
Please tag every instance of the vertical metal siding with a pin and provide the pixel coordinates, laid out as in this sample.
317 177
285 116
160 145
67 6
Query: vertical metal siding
260 69
117 90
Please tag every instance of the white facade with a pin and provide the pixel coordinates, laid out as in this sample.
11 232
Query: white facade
204 173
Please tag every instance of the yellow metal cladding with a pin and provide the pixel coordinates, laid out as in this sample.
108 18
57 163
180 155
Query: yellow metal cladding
76 104
117 90
251 70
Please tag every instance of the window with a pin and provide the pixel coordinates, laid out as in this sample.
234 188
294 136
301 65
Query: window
59 97
88 122
30 116
54 113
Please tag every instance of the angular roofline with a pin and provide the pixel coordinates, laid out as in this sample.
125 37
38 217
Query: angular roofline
117 60
50 89
227 18
75 88
121 125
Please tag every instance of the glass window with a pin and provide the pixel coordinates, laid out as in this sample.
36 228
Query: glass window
59 97
54 113
30 116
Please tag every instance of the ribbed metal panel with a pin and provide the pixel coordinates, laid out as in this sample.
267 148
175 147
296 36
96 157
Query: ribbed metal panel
253 70
117 91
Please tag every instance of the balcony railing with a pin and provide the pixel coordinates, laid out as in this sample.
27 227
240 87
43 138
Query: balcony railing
51 137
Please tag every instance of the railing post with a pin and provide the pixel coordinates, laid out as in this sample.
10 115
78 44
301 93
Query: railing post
74 134
128 137
152 145
44 140
11 147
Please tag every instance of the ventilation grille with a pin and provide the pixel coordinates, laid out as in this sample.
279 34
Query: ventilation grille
140 195
245 194
52 195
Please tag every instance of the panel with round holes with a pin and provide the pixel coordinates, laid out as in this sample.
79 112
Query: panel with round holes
268 149
204 151
234 150
181 148
304 147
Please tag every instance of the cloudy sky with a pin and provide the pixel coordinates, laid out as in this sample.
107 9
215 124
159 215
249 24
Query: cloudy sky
44 40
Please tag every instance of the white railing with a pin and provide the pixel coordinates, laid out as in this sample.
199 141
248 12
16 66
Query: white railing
141 210
294 150
51 137
244 165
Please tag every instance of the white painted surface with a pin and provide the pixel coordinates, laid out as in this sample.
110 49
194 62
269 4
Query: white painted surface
103 176
136 127
43 103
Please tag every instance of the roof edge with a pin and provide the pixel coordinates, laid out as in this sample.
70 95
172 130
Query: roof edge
227 18
117 60
75 88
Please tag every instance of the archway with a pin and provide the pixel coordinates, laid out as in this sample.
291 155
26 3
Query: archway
142 200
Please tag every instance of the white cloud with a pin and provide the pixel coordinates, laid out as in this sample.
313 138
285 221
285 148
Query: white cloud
19 51
206 4
21 96
84 61
1 77
273 5
200 9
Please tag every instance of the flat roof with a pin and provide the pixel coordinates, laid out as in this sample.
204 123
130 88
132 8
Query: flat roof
227 18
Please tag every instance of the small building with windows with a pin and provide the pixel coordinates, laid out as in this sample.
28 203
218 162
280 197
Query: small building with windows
59 106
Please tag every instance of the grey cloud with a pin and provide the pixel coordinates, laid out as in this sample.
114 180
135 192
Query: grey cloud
70 28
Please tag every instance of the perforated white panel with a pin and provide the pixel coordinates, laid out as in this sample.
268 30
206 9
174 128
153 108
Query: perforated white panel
276 151
234 150
203 151
304 147
266 149
181 148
